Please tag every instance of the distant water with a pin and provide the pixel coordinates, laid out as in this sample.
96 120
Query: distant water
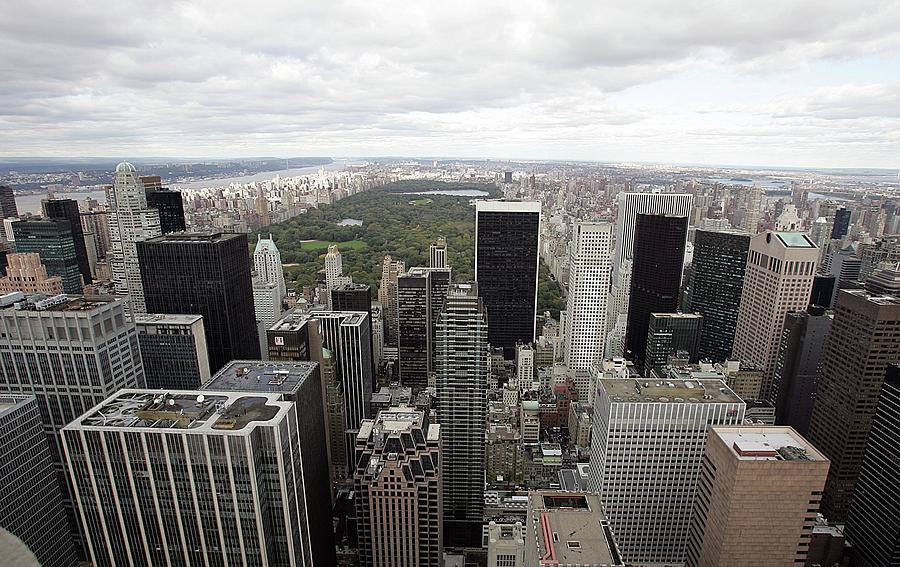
452 193
336 165
32 203
817 196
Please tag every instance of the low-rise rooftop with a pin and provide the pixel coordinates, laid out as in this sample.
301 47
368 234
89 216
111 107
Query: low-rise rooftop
260 376
568 528
19 301
166 319
668 391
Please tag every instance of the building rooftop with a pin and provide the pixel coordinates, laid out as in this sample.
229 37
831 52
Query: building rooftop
795 239
668 391
769 443
9 401
568 528
876 298
195 237
260 376
19 301
295 319
185 410
165 319
507 206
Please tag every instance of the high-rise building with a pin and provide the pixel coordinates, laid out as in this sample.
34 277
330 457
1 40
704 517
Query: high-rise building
131 220
204 274
461 360
53 240
356 297
589 272
822 293
70 354
194 477
507 239
873 525
95 224
334 270
8 202
437 254
798 366
844 266
505 544
745 471
750 219
414 327
715 284
861 343
841 223
391 269
778 280
672 334
267 263
646 450
173 351
167 202
267 304
657 267
524 377
397 483
67 209
31 504
25 273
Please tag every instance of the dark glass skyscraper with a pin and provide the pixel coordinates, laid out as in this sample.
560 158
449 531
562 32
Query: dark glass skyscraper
204 274
671 333
8 202
717 277
841 223
507 235
170 207
53 240
657 264
67 209
355 297
415 327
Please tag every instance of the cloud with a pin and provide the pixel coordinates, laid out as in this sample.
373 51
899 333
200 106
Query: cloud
521 78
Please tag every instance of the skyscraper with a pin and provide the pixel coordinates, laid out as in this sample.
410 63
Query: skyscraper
167 202
669 334
589 272
67 209
507 238
844 266
414 327
873 525
173 351
461 360
862 342
397 480
798 366
267 263
750 219
391 269
841 223
717 278
437 254
8 202
745 471
194 477
53 240
31 505
646 450
204 274
356 297
334 270
131 220
25 273
656 276
778 280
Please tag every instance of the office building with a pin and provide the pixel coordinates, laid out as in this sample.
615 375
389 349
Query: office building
137 504
31 504
95 225
715 284
437 254
823 291
841 223
357 297
863 340
334 270
204 274
646 450
397 481
672 334
8 202
844 265
505 544
524 378
655 277
131 220
414 327
799 363
173 351
167 202
750 218
267 263
568 529
461 362
873 525
67 209
589 273
745 471
778 280
507 236
25 273
267 305
53 240
391 269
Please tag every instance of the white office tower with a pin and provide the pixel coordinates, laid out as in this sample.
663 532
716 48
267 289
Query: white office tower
589 264
438 254
630 205
191 478
646 448
461 361
778 279
750 221
268 309
334 269
267 263
524 367
131 221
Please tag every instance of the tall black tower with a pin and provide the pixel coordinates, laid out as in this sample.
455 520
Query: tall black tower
841 223
657 264
8 202
67 209
204 274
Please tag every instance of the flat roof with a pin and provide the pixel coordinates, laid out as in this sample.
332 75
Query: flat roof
260 376
645 390
795 240
768 443
9 401
166 319
56 303
570 528
189 411
499 206
195 237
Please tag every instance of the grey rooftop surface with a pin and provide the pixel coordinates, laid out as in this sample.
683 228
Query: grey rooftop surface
569 528
645 390
260 376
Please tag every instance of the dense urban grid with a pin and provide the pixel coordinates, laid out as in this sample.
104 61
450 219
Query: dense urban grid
489 363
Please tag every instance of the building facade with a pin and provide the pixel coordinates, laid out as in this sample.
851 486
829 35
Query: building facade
173 351
672 334
414 327
589 280
25 273
67 210
53 240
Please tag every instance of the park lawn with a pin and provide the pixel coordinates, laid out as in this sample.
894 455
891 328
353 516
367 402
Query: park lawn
324 244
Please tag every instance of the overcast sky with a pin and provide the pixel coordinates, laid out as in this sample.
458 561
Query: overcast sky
802 83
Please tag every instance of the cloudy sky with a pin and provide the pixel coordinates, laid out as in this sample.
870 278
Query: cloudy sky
801 83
